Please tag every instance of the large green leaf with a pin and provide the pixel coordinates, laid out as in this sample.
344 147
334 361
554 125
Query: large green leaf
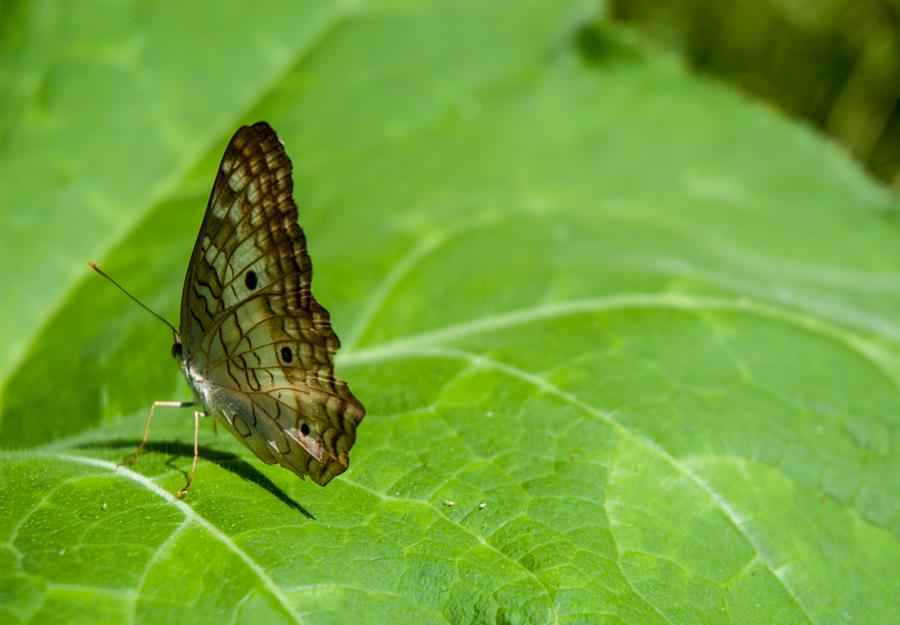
629 345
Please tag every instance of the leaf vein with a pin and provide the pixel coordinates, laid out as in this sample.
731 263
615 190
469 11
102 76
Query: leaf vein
191 514
651 445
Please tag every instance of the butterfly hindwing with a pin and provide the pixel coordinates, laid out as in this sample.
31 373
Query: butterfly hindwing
260 344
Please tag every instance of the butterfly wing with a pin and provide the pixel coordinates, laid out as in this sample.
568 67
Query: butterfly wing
257 346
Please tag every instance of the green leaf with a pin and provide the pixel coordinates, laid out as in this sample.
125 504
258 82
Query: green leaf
629 344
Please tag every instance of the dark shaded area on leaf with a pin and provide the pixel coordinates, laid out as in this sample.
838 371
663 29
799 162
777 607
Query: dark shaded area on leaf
836 64
597 44
228 461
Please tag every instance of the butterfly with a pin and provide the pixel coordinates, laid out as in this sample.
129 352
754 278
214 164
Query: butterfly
255 346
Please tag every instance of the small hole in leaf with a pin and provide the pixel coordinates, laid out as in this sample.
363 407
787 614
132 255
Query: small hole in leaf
286 354
250 280
304 429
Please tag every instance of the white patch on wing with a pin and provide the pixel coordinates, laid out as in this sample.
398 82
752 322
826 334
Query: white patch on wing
213 258
252 191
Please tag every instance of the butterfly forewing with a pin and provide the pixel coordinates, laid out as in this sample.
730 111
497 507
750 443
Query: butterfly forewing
257 347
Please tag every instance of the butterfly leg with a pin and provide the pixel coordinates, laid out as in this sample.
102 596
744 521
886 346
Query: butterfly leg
168 404
197 415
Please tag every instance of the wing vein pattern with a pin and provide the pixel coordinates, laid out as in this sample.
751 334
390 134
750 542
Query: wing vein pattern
258 349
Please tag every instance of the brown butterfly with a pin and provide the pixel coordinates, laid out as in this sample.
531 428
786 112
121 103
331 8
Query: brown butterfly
255 346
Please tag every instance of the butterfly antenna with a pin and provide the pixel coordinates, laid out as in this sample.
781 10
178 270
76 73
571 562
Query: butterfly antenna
133 298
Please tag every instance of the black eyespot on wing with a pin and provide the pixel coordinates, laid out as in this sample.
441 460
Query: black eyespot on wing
250 280
286 354
304 429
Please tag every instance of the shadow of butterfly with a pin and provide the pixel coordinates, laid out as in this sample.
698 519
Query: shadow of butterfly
256 347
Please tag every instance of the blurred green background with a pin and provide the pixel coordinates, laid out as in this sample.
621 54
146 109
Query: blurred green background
833 63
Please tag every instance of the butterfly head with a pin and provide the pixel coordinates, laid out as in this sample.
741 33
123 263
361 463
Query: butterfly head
176 346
